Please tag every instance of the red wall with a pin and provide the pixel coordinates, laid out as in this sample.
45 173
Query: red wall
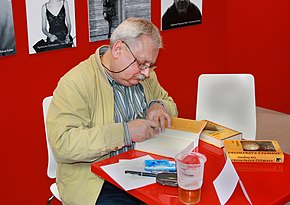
258 41
235 37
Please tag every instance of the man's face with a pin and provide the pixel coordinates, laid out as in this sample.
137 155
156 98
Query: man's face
181 6
145 52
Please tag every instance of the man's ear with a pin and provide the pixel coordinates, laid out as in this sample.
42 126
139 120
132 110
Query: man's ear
117 49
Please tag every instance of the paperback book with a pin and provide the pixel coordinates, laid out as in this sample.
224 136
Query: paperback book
215 134
264 151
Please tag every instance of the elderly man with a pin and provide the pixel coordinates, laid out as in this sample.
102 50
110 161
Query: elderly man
104 105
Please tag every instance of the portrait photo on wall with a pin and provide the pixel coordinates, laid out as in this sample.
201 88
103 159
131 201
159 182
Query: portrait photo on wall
51 25
180 13
106 15
7 38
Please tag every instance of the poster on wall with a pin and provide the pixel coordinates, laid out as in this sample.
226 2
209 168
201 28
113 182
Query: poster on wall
106 15
180 13
7 38
51 25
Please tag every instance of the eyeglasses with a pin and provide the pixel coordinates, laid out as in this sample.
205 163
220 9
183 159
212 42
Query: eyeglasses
141 66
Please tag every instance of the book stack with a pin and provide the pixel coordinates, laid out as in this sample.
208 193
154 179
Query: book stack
216 134
264 151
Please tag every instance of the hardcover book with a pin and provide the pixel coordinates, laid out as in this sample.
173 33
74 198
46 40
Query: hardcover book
215 134
264 151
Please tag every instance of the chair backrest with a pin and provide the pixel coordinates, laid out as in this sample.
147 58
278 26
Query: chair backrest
52 164
228 99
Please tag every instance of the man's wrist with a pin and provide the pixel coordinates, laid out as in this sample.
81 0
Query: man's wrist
156 101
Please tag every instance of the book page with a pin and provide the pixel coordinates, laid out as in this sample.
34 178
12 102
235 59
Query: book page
168 143
187 125
183 135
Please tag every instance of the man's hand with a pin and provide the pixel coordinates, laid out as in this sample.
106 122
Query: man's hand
141 130
158 113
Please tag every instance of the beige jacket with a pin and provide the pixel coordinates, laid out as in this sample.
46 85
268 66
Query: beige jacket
81 127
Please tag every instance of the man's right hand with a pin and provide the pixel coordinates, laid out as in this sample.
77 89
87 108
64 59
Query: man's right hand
141 129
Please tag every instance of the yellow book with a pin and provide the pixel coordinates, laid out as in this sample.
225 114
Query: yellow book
215 134
264 151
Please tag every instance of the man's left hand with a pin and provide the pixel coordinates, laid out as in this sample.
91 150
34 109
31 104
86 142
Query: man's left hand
157 112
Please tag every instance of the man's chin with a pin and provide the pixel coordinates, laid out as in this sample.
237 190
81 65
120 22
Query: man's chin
133 82
136 80
140 77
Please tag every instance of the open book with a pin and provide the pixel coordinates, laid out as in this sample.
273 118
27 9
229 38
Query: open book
183 135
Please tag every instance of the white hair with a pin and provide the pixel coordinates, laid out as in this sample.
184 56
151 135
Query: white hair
132 28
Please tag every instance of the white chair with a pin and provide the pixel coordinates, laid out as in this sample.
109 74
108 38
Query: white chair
52 164
228 99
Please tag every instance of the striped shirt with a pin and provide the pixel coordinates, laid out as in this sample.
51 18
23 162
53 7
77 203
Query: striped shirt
129 104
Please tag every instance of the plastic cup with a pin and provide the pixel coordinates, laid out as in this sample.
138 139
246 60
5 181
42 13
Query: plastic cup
190 168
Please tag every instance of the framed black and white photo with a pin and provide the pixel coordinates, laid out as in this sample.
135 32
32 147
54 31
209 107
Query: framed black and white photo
180 13
7 38
106 15
51 25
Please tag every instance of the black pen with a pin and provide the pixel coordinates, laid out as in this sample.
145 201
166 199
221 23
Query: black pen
146 174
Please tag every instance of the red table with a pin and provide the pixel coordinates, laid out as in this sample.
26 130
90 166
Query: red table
265 183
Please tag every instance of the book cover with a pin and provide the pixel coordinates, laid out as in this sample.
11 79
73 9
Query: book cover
264 151
215 134
259 167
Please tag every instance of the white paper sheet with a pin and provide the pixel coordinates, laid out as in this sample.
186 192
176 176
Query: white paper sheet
127 181
226 183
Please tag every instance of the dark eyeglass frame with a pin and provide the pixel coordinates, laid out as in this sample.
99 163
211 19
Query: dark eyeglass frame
141 66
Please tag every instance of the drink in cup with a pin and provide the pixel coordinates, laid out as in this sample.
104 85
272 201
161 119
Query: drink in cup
190 168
